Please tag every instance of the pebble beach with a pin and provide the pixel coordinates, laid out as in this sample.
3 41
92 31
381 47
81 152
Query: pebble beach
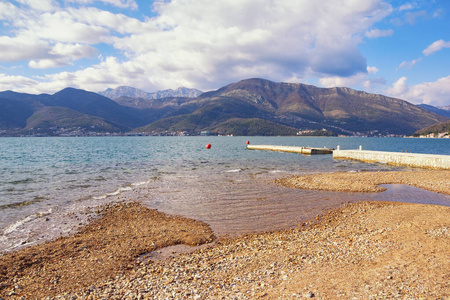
364 250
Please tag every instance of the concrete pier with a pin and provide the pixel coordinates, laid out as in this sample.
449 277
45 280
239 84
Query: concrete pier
397 158
292 149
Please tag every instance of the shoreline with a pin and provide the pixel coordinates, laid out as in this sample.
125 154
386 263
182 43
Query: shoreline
367 256
364 249
107 247
369 182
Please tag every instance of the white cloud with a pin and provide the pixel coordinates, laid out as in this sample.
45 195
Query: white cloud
63 54
372 70
8 11
62 27
74 51
376 33
41 5
343 81
436 46
409 64
217 42
119 3
48 63
407 6
359 79
435 93
21 47
203 43
105 19
20 83
110 72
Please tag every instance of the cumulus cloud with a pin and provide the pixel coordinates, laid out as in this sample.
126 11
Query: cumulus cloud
363 79
21 47
360 79
202 43
20 83
63 54
218 42
436 46
372 70
435 93
333 81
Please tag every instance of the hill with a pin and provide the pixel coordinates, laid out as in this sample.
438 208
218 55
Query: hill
61 120
248 107
71 109
440 128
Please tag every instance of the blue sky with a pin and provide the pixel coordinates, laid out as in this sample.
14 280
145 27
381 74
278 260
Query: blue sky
396 48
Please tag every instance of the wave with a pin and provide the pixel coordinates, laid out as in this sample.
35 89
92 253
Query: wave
13 227
115 193
277 171
141 183
234 171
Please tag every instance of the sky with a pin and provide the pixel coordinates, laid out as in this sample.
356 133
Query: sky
395 48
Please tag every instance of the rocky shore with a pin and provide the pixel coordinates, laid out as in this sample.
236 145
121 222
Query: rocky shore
435 181
361 251
365 250
105 248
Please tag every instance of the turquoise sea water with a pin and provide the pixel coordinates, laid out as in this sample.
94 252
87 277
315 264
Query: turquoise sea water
48 184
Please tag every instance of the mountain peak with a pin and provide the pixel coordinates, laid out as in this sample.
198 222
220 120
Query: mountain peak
132 92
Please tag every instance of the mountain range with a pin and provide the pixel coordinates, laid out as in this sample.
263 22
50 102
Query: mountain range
440 110
131 92
249 107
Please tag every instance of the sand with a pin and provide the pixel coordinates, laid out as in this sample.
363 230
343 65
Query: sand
366 250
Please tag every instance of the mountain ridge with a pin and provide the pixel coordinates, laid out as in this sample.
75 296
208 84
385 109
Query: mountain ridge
268 104
441 110
131 92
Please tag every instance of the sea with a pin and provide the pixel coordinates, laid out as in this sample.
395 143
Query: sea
50 186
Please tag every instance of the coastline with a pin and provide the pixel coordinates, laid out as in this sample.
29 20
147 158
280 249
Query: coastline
363 250
367 182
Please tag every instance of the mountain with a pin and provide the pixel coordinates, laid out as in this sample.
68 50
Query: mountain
443 110
443 127
248 107
130 92
48 119
340 110
25 113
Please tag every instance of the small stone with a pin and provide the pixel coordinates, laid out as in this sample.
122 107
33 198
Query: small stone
309 294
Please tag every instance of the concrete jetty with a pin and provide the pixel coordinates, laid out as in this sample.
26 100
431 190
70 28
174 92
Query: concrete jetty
292 149
419 160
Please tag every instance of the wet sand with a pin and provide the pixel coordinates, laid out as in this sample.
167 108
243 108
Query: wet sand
365 250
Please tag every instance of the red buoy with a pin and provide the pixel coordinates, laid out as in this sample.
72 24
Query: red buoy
208 146
248 142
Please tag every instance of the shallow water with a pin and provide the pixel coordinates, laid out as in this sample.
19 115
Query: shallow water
49 186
